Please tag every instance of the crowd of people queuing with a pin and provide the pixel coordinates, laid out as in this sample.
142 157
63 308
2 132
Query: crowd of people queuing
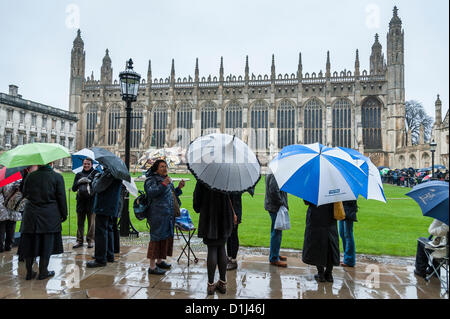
409 177
100 196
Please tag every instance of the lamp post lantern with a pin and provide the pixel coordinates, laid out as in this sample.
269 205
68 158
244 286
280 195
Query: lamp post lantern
432 150
129 86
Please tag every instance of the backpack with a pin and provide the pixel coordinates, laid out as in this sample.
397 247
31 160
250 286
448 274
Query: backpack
141 206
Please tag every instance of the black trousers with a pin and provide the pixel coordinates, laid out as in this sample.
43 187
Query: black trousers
104 238
116 236
7 229
233 243
421 258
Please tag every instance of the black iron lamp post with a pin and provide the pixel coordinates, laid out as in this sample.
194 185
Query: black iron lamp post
432 150
129 86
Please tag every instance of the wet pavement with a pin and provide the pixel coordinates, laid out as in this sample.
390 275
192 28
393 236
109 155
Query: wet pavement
373 277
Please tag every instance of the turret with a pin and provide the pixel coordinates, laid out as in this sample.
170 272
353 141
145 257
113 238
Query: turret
106 70
376 58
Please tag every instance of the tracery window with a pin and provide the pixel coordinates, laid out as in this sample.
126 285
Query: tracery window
113 124
313 122
286 124
371 123
342 124
233 119
159 126
136 126
91 122
259 123
184 124
208 117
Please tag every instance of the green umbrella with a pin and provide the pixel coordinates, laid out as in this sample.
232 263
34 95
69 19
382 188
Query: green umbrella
384 171
33 154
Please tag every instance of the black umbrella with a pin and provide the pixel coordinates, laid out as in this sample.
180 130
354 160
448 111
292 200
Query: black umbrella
112 162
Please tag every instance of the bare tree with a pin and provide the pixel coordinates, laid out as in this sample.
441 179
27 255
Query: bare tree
414 117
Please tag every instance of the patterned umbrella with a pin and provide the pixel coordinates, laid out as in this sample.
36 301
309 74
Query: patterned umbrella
9 175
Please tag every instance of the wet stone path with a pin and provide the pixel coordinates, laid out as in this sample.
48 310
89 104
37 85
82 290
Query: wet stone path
127 278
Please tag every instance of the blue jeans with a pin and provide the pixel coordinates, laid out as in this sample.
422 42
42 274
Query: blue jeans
275 240
348 242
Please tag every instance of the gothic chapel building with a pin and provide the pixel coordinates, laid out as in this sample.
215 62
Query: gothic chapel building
351 108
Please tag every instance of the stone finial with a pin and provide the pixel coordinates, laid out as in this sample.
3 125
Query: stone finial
395 18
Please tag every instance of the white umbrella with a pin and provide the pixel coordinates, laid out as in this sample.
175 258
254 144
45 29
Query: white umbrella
223 162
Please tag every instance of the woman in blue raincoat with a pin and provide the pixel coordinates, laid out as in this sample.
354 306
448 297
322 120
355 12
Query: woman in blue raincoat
163 204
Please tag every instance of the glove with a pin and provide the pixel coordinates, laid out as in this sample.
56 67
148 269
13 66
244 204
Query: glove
84 180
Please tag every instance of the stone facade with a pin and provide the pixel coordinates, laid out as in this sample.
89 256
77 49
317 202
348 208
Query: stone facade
352 108
24 121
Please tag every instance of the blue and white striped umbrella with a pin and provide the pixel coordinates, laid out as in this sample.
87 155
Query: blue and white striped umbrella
318 174
374 187
78 157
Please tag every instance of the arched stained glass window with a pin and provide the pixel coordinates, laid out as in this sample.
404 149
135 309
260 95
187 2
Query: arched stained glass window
113 124
208 117
371 123
159 126
312 122
342 124
259 122
233 119
91 122
136 126
286 124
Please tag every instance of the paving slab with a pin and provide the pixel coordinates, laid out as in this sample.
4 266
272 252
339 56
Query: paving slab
373 277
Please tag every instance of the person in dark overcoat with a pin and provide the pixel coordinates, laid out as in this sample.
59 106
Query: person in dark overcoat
106 207
346 233
163 202
44 212
321 241
85 205
214 226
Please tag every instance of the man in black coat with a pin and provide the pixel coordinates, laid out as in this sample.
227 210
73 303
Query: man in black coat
106 208
85 202
274 199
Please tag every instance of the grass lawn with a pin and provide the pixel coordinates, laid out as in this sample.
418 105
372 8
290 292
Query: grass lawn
382 229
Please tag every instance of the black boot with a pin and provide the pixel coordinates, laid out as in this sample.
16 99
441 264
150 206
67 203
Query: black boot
320 277
43 271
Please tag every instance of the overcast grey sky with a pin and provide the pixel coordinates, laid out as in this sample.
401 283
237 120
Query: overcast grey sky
37 36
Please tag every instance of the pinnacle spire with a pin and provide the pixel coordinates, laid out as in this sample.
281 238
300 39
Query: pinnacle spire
273 66
196 70
221 69
357 63
328 67
395 18
300 66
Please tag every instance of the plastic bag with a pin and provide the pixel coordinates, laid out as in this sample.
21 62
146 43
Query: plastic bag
282 221
184 221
